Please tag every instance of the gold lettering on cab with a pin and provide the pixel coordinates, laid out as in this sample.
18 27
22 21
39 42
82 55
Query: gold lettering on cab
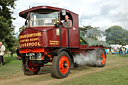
53 42
30 35
34 39
30 44
24 40
28 40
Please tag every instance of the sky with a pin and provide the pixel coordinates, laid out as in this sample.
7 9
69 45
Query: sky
97 13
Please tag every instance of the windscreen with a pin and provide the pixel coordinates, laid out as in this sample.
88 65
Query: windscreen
43 19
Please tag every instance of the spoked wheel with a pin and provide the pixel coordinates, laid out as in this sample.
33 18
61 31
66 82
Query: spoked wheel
30 69
34 69
61 65
102 58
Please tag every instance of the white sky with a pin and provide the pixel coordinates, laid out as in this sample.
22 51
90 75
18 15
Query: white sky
97 13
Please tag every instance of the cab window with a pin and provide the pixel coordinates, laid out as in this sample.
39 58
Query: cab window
43 19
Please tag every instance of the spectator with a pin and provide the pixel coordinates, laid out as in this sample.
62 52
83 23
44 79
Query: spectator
120 50
123 51
2 50
106 51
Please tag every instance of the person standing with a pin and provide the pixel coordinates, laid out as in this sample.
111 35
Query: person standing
2 50
123 51
120 50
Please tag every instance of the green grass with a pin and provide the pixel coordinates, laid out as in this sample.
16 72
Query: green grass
115 76
11 68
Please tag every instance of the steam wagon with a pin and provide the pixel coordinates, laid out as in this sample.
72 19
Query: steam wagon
45 40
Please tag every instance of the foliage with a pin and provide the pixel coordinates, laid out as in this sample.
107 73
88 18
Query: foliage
6 27
21 28
84 29
116 35
91 32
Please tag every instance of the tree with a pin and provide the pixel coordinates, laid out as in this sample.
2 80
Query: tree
116 35
84 29
6 26
91 32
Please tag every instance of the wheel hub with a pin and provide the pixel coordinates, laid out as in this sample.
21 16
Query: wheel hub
64 64
31 67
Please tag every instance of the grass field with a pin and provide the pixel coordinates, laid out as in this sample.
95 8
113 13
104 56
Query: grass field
114 73
11 68
114 76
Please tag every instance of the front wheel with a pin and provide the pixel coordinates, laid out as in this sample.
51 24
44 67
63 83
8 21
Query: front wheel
61 65
30 69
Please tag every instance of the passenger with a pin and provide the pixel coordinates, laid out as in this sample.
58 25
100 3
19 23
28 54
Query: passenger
67 23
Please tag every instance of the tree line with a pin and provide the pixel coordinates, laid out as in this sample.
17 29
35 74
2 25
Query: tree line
114 34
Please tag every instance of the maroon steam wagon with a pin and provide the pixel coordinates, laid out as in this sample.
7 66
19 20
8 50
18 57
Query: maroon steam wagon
45 40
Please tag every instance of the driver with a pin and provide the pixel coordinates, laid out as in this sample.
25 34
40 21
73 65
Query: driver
67 23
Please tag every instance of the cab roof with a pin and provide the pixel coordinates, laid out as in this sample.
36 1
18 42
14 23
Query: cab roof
24 13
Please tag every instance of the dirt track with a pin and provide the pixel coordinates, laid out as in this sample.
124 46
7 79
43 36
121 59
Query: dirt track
45 77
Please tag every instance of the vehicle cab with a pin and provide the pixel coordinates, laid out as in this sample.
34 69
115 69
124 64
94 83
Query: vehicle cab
44 28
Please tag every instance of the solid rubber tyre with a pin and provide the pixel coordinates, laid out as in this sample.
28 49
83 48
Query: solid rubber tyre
102 57
61 65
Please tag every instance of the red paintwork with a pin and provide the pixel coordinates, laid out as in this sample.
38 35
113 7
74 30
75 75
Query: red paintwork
32 50
44 40
74 34
64 37
90 47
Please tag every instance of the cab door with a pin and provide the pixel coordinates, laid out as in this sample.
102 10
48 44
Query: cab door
64 37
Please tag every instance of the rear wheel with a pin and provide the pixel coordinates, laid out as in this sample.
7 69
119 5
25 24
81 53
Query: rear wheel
61 65
29 68
102 58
